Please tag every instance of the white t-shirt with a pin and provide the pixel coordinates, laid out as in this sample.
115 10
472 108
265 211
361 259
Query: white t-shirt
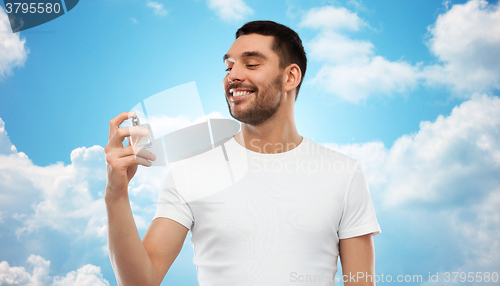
268 219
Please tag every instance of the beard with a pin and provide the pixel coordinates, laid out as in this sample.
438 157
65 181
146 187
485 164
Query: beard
264 105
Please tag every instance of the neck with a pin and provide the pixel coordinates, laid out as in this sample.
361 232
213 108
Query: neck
278 134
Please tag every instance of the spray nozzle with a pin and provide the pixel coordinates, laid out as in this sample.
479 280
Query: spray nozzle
135 120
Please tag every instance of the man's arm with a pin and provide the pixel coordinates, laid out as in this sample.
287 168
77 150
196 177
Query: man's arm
135 262
163 242
357 256
141 263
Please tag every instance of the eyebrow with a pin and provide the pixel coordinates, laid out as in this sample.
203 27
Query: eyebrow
247 55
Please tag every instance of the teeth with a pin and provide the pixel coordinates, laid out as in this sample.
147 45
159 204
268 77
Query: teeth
240 93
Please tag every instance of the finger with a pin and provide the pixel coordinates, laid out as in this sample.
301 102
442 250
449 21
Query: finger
143 153
114 123
135 132
135 160
143 162
122 159
135 151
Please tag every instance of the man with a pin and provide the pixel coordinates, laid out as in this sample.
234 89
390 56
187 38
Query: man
279 222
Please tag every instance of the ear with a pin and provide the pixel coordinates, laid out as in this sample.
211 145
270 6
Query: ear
292 76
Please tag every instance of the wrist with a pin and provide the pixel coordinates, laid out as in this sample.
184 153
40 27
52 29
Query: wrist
112 196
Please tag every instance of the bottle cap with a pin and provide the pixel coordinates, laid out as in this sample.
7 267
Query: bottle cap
135 120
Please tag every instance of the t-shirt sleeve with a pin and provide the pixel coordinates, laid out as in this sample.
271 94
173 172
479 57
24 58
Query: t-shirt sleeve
358 215
172 205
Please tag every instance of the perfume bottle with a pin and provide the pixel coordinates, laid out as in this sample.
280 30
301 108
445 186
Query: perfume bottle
140 141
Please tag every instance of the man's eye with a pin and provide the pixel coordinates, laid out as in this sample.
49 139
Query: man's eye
228 69
252 66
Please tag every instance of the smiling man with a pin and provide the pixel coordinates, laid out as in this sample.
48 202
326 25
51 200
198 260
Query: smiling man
297 208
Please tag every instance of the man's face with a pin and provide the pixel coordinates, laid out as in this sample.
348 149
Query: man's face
253 83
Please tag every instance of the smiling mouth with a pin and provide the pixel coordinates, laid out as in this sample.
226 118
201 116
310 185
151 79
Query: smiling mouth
238 93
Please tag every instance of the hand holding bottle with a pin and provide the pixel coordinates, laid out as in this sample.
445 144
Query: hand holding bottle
122 162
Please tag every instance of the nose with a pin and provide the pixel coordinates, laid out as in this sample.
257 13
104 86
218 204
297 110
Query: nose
235 74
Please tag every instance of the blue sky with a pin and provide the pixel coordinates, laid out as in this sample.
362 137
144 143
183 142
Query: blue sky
410 88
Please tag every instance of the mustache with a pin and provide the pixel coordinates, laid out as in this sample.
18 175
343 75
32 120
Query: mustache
234 85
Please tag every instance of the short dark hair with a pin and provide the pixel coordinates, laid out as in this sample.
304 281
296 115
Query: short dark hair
287 43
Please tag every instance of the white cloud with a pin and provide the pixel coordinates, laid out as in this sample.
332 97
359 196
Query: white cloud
17 192
335 48
483 233
350 69
454 158
332 18
19 275
357 5
39 276
378 76
12 50
466 41
63 198
6 146
230 10
66 201
85 276
158 8
215 115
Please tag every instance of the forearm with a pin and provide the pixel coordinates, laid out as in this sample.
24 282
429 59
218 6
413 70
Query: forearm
128 256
